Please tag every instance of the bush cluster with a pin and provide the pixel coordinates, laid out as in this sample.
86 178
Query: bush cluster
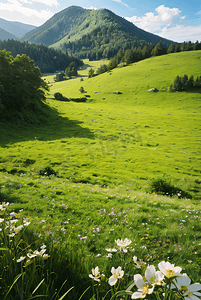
185 83
163 186
60 97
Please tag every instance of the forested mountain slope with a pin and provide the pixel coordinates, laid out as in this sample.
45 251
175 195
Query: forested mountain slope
83 31
47 59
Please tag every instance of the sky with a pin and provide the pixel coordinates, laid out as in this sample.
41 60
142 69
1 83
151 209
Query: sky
175 20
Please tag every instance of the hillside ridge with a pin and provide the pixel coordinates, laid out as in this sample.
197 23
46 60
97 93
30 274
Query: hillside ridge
74 23
17 29
5 35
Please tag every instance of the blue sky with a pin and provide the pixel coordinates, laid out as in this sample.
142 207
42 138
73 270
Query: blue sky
176 20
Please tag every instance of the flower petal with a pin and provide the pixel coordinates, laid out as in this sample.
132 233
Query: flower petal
194 287
137 295
139 282
112 281
150 272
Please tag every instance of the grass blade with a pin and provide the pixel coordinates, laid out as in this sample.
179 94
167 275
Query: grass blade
66 293
38 286
15 280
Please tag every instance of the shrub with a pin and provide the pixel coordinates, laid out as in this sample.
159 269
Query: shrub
60 97
81 90
47 171
161 186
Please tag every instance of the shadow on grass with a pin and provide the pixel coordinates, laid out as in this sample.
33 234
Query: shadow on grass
7 198
194 91
85 66
52 127
164 187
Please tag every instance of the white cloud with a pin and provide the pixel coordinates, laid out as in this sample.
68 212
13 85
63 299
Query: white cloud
27 11
163 25
152 23
121 2
182 33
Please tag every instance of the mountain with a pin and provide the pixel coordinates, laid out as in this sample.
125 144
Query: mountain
18 29
58 26
5 35
80 30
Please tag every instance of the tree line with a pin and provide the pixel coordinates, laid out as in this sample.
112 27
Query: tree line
185 83
47 59
105 42
135 54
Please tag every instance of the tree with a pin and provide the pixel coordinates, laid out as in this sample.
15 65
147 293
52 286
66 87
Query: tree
59 77
128 56
184 81
177 48
91 73
198 82
113 63
102 69
191 83
171 48
178 86
159 49
197 46
21 87
71 70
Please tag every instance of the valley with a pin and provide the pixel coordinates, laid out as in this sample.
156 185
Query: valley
90 176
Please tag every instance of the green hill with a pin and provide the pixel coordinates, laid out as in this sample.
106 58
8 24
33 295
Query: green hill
57 27
138 134
79 30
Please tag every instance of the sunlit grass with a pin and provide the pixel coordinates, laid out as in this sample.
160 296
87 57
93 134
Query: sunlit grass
102 156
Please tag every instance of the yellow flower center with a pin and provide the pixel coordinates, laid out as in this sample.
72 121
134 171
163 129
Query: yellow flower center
145 289
190 293
116 275
169 273
141 264
184 288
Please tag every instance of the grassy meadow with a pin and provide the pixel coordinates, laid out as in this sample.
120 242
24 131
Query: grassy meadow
87 177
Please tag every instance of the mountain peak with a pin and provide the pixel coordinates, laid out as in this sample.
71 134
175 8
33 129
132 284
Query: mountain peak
74 23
